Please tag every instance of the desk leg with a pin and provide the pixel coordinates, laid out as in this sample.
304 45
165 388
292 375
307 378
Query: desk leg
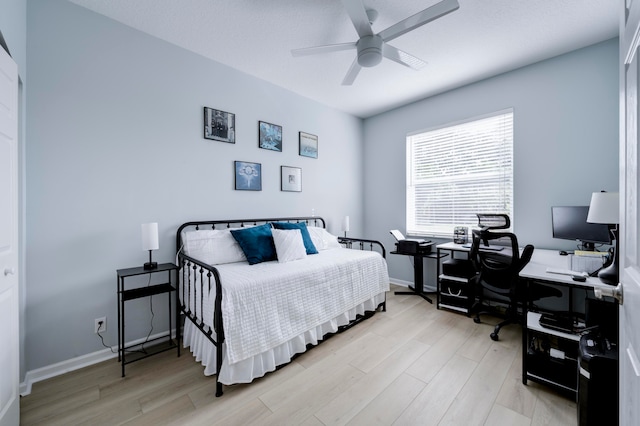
418 279
177 295
121 334
119 293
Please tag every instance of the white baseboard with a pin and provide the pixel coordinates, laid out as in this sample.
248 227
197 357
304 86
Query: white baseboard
401 283
408 284
77 363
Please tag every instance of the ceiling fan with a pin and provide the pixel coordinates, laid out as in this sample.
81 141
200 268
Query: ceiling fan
372 47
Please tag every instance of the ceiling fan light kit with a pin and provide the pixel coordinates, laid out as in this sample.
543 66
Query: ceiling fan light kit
369 51
372 47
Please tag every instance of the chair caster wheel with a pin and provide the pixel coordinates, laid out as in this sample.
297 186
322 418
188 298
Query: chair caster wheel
476 320
494 337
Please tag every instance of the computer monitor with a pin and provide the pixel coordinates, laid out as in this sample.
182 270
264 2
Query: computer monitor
570 223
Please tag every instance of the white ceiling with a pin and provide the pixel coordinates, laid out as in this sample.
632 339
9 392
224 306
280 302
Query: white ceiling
481 39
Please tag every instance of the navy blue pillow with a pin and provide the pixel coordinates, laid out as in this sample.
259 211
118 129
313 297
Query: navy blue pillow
306 238
256 243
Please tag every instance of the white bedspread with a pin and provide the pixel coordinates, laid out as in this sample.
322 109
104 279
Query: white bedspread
267 304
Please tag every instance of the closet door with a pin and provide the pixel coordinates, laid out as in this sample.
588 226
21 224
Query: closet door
9 301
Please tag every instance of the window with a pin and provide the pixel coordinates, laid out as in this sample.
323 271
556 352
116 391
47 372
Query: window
456 171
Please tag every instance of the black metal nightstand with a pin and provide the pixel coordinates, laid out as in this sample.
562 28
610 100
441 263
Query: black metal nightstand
136 293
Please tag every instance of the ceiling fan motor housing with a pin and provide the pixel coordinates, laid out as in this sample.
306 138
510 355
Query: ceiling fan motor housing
369 50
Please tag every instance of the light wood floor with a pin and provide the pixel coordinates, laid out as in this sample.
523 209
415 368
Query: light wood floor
411 365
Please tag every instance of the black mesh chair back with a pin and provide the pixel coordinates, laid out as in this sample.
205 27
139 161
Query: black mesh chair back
498 270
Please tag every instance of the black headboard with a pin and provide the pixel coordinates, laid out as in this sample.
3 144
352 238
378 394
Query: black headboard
240 223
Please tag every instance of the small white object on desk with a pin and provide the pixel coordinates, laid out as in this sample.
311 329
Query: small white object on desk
590 253
588 263
565 272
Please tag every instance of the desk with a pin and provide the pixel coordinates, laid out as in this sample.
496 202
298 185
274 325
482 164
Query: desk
418 273
550 356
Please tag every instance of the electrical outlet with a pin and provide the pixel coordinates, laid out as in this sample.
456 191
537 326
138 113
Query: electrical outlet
100 325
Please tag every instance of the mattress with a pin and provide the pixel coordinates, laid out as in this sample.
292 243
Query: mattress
269 304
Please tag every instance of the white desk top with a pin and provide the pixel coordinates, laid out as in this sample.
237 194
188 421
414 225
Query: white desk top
452 246
537 267
543 259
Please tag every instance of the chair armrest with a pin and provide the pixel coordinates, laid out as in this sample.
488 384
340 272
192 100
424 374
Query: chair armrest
525 257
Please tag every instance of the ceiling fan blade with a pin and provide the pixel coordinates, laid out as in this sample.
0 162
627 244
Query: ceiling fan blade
358 16
434 12
352 73
402 57
323 49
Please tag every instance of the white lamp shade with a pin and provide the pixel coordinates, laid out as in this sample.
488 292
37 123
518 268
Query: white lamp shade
345 224
150 236
604 208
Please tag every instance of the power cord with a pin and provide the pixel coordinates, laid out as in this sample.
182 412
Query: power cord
151 322
142 349
102 338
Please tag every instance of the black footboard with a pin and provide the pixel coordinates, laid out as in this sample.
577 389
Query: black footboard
195 274
362 244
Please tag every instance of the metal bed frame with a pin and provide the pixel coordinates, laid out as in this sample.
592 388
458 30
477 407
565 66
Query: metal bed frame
191 268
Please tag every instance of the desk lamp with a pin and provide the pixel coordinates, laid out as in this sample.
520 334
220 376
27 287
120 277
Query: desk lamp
150 242
604 208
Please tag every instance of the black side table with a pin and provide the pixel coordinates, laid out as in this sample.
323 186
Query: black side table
147 291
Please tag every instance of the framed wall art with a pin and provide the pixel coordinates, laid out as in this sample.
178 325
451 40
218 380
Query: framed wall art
219 125
291 179
248 176
269 136
308 145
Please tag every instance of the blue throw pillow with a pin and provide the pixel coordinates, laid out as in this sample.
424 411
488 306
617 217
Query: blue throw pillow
306 238
256 243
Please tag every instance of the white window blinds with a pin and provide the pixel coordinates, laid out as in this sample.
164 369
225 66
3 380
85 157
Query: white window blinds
457 171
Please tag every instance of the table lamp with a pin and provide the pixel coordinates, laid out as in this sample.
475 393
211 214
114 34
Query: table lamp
604 208
345 225
150 242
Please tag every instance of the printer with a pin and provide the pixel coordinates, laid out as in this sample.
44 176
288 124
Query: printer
411 245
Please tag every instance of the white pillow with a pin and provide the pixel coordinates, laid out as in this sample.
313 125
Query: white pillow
322 239
289 244
213 247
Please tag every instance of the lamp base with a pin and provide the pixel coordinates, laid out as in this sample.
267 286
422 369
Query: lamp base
609 275
150 265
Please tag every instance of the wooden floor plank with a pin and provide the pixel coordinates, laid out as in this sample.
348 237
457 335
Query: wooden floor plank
434 400
476 398
347 405
389 405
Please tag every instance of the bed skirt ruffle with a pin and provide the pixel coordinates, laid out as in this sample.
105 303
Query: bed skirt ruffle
257 366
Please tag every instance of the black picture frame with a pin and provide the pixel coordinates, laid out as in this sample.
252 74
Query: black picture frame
219 125
248 176
290 179
269 136
307 145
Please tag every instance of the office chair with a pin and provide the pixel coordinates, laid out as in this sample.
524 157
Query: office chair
498 270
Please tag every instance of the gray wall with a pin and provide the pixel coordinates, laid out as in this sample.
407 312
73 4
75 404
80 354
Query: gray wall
13 24
565 143
115 140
